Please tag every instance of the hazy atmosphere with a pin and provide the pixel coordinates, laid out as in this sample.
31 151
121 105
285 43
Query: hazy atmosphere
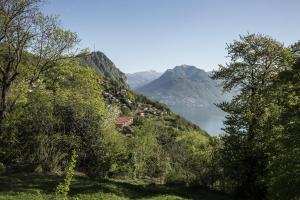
149 99
140 35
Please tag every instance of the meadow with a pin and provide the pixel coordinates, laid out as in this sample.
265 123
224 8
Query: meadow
42 186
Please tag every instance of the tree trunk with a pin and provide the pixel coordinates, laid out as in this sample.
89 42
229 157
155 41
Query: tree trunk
3 101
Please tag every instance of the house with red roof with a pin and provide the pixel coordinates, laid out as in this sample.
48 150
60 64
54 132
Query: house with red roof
124 122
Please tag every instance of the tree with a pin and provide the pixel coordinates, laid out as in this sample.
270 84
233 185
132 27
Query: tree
23 29
255 62
148 157
285 165
191 159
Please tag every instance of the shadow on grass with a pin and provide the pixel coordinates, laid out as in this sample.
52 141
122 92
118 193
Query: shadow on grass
14 183
25 182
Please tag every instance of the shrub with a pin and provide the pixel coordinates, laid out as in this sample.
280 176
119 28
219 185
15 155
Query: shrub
63 188
39 169
2 168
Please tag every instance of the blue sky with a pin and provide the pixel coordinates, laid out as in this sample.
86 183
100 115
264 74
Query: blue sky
140 35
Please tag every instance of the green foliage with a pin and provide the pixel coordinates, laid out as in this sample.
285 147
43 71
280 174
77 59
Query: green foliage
32 186
63 189
103 65
64 111
191 155
285 166
255 63
51 105
39 169
23 28
2 168
110 155
148 157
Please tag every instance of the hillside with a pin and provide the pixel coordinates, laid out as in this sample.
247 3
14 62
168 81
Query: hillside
190 92
72 127
133 105
103 65
139 79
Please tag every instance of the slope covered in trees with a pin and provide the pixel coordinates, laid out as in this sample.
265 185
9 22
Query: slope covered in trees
103 65
58 117
54 105
259 154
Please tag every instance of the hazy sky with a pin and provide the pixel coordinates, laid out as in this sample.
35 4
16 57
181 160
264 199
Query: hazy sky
139 35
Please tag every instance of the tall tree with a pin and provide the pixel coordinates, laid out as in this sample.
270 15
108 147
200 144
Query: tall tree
285 165
255 61
23 28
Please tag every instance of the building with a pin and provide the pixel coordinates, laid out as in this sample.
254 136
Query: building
124 122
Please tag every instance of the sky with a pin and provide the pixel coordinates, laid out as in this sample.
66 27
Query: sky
140 35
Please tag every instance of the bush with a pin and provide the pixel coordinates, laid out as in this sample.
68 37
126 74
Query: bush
63 188
2 168
191 159
177 176
39 169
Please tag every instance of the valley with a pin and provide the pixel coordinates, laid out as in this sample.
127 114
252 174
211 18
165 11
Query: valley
191 93
74 124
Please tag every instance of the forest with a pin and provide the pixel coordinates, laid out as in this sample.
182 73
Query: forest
59 139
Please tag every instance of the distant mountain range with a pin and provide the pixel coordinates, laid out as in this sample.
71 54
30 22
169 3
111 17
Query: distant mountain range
117 92
138 79
190 92
187 90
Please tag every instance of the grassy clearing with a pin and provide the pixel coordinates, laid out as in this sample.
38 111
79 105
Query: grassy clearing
35 187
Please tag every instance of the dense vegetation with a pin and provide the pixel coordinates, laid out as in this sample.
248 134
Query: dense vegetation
260 150
102 64
40 186
58 117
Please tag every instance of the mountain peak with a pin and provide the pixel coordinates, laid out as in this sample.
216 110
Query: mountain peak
98 52
188 72
103 65
190 92
139 79
187 67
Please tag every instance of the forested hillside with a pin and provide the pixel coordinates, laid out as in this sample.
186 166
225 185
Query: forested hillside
117 94
103 65
70 127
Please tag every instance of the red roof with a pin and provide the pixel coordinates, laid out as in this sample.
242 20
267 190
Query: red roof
124 121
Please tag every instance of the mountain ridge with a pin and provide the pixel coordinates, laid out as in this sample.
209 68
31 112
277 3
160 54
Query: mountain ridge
138 79
191 93
103 65
117 92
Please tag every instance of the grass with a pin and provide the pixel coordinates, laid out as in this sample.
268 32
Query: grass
33 186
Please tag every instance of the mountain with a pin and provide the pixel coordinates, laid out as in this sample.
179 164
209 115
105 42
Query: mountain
190 92
103 65
139 79
136 106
